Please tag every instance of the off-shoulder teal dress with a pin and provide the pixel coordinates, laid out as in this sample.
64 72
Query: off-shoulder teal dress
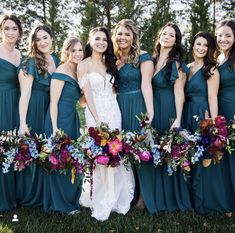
9 101
226 104
59 193
171 193
29 183
131 103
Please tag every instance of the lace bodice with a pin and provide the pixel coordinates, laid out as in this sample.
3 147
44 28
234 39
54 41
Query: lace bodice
104 99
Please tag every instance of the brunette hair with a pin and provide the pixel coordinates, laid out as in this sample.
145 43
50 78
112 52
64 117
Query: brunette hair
209 60
175 54
41 61
109 57
231 56
15 19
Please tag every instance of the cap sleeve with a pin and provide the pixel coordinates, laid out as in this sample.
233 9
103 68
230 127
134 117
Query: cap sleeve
174 73
145 57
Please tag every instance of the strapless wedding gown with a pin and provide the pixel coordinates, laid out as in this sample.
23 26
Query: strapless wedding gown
113 188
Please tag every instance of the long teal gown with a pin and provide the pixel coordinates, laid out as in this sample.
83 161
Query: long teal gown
29 183
9 99
171 193
59 193
226 103
131 103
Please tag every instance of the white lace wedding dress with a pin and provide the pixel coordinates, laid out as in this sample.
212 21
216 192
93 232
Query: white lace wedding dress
113 188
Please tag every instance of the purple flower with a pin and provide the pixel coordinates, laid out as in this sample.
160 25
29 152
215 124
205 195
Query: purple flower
102 159
145 156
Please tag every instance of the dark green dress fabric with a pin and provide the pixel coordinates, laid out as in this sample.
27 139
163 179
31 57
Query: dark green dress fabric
29 183
59 193
9 99
131 103
171 193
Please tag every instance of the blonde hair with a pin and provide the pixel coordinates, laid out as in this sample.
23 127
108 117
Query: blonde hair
68 46
135 47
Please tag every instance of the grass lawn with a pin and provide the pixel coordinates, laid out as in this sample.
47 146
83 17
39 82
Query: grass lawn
36 221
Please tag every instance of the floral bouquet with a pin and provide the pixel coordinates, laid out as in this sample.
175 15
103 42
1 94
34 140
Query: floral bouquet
213 138
28 150
142 145
8 149
231 136
179 149
103 146
60 153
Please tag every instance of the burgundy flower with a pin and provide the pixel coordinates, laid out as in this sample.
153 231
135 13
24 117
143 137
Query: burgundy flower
220 121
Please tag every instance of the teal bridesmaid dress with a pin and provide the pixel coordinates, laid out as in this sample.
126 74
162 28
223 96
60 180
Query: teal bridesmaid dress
59 193
171 193
226 102
131 103
9 99
29 183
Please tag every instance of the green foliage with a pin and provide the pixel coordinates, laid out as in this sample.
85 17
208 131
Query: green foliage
229 7
160 15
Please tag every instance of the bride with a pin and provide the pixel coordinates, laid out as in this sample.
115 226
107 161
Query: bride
113 188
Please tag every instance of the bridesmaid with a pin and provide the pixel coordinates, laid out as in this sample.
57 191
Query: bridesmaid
34 77
225 38
171 193
59 193
201 91
134 90
11 31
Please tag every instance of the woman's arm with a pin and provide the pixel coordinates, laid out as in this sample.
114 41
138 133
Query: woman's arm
56 88
86 88
26 82
213 88
179 98
146 69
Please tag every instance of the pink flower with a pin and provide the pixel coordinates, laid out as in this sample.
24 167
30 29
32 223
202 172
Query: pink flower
115 146
53 160
220 121
145 156
218 143
175 152
102 159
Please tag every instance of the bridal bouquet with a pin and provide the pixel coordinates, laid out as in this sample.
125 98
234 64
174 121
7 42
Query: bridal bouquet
179 149
60 153
28 149
103 146
231 136
141 146
213 138
8 149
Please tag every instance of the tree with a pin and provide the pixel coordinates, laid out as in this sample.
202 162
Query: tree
160 15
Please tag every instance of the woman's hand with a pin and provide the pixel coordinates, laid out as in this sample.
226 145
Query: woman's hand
23 130
176 124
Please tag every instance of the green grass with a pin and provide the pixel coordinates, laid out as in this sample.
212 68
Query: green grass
36 221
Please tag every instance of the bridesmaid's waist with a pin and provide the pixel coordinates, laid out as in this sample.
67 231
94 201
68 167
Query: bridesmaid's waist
227 93
129 92
8 86
196 98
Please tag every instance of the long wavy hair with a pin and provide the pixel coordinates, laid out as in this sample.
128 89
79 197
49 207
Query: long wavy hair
135 47
231 56
41 61
68 46
209 60
12 17
108 55
175 54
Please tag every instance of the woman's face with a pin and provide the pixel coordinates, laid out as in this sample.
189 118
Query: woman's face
225 38
168 37
124 37
43 42
10 32
76 53
98 42
200 47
